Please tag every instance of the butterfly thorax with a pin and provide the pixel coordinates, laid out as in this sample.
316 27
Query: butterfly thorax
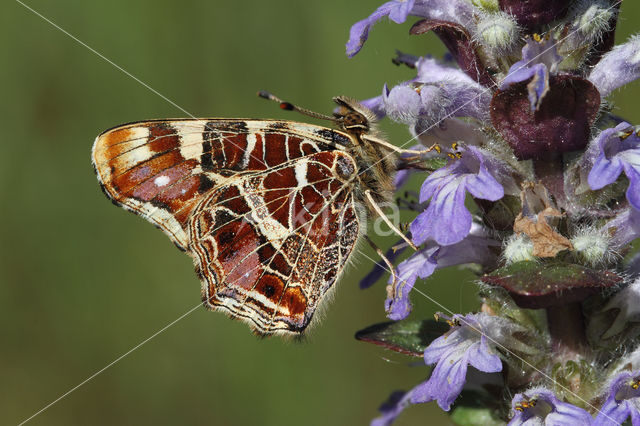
376 163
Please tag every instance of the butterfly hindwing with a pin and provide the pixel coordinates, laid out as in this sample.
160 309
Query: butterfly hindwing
268 247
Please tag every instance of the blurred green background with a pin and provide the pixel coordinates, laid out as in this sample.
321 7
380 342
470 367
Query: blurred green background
83 282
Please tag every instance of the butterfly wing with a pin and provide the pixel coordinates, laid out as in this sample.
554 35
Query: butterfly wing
265 208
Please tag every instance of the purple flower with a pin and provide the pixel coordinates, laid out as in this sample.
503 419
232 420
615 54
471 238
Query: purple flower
438 91
540 406
375 106
465 344
618 67
398 10
623 401
392 407
448 131
473 249
446 220
625 307
624 228
619 150
539 59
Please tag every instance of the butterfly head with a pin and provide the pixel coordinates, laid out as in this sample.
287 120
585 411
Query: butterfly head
353 117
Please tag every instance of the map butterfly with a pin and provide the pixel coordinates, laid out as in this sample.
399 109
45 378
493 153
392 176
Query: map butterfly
269 210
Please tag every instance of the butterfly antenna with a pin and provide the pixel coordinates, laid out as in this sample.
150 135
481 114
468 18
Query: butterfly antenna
288 106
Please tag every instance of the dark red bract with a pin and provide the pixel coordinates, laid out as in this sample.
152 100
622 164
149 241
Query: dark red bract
561 124
461 46
533 14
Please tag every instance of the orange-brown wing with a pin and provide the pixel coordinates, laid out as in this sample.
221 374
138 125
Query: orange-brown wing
265 208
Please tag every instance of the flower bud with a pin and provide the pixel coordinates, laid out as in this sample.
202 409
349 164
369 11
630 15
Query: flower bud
517 249
498 33
592 18
591 246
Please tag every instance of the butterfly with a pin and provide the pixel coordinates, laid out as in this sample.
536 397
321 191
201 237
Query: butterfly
269 210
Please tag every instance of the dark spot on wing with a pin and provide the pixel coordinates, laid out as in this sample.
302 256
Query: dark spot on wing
205 184
335 137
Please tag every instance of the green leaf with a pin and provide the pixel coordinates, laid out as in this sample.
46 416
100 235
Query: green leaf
409 337
536 285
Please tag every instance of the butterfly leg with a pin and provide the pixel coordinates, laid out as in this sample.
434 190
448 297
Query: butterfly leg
385 259
386 220
413 152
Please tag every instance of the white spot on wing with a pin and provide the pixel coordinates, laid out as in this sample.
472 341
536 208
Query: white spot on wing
251 144
301 173
161 180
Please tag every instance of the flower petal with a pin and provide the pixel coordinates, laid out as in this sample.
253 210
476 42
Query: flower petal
392 408
482 358
443 345
484 185
633 192
402 104
618 67
399 14
612 413
446 220
604 172
445 383
421 265
360 30
547 410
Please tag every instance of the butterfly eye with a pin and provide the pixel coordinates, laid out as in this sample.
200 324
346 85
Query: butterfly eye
354 121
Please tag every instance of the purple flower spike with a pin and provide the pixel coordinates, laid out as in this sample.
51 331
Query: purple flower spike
397 10
540 406
465 344
473 249
539 59
623 401
618 67
446 220
619 151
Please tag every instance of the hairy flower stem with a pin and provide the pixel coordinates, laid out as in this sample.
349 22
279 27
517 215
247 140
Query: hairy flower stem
549 171
566 328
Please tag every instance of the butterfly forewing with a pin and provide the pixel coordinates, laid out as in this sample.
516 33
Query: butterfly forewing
265 208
